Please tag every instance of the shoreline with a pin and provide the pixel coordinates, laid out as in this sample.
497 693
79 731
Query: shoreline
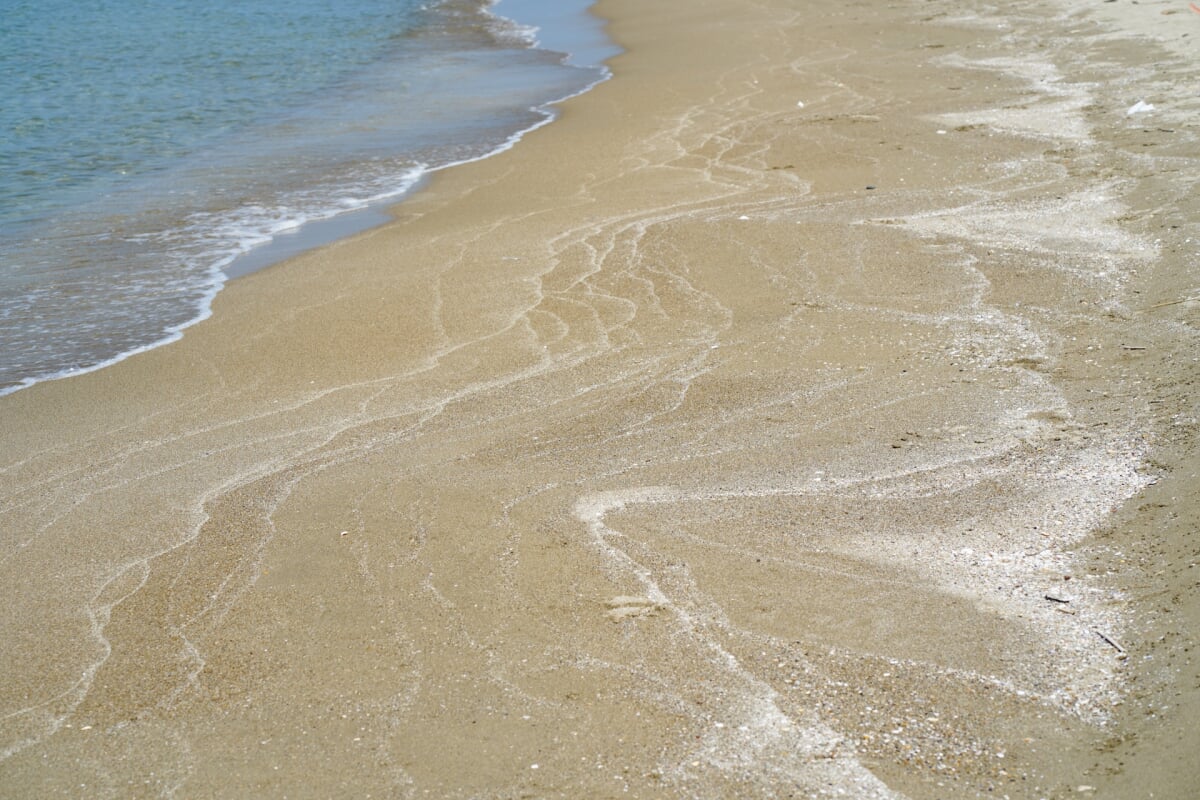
257 244
312 234
809 420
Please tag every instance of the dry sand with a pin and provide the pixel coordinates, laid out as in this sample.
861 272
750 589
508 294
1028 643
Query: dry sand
810 411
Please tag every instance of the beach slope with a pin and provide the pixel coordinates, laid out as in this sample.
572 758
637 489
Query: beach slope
810 410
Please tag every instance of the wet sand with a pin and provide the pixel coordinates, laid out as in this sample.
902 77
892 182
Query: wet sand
810 411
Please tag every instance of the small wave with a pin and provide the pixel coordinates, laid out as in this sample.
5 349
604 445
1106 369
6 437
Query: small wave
145 279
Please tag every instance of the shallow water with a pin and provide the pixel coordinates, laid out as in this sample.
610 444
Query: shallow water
147 149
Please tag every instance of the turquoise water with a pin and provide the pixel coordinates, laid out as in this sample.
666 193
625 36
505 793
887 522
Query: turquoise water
148 145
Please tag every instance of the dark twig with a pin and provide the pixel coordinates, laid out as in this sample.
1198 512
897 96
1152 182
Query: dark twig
1168 303
1116 646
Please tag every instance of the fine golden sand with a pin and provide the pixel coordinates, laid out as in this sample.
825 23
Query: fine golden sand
809 411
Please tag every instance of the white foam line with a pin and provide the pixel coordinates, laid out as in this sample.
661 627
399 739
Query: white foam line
216 276
98 617
257 472
759 734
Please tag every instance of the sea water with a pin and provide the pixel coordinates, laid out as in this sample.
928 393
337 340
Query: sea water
149 149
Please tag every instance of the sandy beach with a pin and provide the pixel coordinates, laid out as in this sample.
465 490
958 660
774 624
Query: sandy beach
809 411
